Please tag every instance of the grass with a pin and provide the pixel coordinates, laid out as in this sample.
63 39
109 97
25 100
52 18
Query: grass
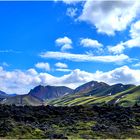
25 132
126 98
75 131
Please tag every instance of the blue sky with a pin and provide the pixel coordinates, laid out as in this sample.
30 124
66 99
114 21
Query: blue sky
68 43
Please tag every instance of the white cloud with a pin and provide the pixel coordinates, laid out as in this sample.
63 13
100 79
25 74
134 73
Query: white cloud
64 42
32 71
87 42
85 57
21 82
66 47
71 12
71 1
42 65
118 49
18 81
134 41
137 64
135 36
110 16
63 70
123 75
135 30
61 65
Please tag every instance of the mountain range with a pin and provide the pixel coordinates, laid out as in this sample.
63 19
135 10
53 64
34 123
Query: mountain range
90 93
3 95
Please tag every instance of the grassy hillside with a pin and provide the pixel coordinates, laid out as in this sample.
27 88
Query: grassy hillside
131 97
126 98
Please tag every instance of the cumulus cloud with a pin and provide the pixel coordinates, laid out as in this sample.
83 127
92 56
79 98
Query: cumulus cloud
134 34
87 42
66 47
64 40
85 57
18 81
110 16
64 43
61 65
135 29
121 75
132 43
21 82
42 65
134 40
118 49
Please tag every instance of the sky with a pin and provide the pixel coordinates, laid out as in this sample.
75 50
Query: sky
68 43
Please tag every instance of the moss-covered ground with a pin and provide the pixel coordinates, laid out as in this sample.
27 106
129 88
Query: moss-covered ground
76 122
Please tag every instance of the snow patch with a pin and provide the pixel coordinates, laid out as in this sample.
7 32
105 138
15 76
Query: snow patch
92 85
117 100
4 100
66 93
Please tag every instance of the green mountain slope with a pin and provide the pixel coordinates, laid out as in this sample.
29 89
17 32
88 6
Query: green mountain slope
126 98
131 97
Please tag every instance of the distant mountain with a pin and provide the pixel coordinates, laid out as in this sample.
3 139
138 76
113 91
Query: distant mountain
94 88
90 86
127 98
38 96
12 95
100 94
90 93
4 95
20 100
117 88
49 92
109 90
